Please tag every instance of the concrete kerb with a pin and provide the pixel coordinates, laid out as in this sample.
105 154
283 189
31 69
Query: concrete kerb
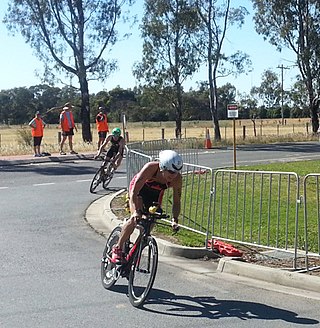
101 218
271 275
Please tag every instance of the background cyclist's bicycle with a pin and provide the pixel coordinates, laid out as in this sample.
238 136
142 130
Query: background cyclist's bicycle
104 175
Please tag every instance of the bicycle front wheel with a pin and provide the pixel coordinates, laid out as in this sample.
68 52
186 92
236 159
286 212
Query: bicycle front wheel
96 180
143 272
109 272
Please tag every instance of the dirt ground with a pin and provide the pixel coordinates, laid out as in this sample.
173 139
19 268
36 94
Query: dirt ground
272 259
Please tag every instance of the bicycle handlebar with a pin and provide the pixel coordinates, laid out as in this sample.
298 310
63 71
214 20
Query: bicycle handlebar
156 215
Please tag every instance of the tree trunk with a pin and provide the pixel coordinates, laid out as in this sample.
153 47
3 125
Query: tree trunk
213 100
213 96
314 109
178 108
85 110
178 123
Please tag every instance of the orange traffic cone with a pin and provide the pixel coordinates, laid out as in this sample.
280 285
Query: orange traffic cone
207 144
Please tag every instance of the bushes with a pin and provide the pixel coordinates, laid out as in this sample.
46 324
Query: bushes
24 137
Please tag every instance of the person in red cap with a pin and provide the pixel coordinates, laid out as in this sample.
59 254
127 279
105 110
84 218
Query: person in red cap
37 125
67 126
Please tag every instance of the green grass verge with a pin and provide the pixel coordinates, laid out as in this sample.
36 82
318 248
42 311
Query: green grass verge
266 215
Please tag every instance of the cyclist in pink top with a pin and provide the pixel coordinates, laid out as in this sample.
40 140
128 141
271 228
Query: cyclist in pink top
148 187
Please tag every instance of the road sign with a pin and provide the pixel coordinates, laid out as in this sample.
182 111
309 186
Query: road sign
232 111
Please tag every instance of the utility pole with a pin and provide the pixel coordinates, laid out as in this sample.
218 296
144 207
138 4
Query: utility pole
282 91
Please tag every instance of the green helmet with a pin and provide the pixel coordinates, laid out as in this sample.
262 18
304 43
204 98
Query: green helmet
116 132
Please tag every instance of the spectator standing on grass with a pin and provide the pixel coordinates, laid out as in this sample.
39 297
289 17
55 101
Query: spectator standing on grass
37 125
102 126
67 126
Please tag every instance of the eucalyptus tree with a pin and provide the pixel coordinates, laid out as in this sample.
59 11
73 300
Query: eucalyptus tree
217 17
298 97
169 56
21 106
269 91
295 25
4 103
71 37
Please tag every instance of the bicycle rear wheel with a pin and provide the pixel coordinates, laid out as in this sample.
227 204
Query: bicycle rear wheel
108 176
96 180
109 272
143 272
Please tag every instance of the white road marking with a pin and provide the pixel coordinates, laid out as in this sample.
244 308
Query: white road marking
44 184
83 180
4 187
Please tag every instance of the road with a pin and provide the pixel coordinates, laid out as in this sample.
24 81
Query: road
50 266
260 154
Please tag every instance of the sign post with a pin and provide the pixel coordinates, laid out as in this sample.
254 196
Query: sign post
124 127
232 110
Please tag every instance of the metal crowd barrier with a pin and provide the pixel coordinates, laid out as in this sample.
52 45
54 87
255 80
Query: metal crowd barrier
311 197
188 148
257 208
263 209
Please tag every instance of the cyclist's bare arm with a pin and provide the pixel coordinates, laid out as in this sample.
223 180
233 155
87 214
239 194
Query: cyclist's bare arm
176 204
103 145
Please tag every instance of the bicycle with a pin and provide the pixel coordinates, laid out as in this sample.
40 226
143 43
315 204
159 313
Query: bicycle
104 174
141 259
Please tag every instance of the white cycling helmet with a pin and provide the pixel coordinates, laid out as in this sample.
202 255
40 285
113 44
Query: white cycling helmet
169 160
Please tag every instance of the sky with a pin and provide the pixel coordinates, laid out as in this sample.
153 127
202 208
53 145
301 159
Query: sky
18 62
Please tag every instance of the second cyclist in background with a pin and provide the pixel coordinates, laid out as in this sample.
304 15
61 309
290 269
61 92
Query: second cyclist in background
115 152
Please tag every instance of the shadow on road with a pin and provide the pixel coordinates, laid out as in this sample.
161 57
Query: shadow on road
212 308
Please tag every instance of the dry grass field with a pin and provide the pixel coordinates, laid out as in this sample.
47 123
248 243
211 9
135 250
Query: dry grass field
269 130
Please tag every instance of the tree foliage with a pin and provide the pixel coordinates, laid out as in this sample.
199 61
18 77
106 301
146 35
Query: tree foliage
295 25
143 104
269 91
217 17
169 56
70 37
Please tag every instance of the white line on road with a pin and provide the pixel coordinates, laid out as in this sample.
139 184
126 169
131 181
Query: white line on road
83 180
44 184
4 187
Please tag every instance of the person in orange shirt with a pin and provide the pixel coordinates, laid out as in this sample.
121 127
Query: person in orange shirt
37 125
67 126
102 126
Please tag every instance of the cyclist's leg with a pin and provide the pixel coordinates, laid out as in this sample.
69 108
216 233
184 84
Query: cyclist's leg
127 230
118 161
130 225
110 153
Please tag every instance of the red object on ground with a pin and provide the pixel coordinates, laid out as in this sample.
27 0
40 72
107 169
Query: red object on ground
224 248
199 172
207 143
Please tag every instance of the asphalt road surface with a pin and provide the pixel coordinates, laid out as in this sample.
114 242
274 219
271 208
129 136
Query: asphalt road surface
260 154
50 266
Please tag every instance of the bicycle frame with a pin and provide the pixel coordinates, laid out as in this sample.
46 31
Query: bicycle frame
103 175
145 226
